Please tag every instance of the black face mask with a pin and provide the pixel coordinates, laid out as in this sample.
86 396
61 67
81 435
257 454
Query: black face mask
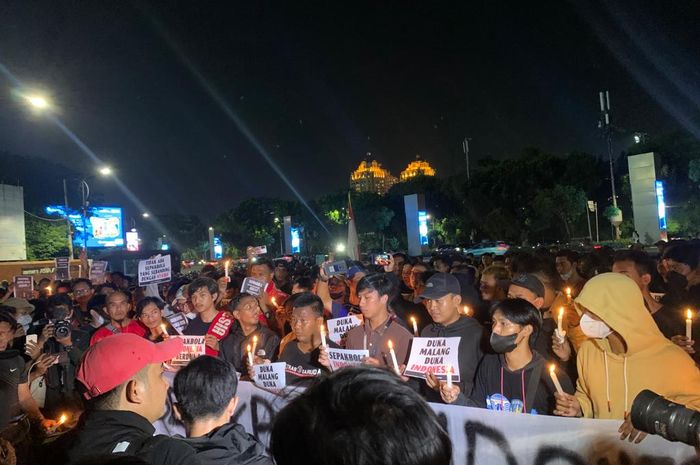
503 344
337 295
676 281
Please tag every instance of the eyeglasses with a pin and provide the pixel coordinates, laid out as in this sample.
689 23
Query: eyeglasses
293 321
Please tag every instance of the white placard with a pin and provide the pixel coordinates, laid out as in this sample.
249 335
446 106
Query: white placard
432 354
338 327
154 270
341 358
271 375
194 347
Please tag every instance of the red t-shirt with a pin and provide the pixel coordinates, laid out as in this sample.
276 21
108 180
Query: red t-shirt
134 327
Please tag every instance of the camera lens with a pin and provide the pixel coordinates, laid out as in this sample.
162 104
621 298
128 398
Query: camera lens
62 329
654 414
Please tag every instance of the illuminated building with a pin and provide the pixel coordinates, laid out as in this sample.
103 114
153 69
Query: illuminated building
416 168
371 177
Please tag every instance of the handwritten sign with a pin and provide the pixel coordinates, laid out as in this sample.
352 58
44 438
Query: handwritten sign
253 286
194 347
431 354
62 268
338 327
178 321
271 375
341 358
154 270
23 285
98 270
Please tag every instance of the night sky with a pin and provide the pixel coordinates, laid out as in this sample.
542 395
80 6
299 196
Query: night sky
155 88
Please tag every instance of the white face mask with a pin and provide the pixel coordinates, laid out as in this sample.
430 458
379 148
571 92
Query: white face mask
566 276
593 328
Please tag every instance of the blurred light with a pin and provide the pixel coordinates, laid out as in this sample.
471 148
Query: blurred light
637 138
37 101
105 171
340 247
145 215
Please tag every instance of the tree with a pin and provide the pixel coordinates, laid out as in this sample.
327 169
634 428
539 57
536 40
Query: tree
45 239
559 206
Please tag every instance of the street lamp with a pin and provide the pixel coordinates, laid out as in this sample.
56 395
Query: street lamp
340 247
37 101
145 214
105 171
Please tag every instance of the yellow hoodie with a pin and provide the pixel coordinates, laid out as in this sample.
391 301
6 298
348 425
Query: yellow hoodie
608 383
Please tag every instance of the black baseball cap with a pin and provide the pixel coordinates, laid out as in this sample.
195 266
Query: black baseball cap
529 282
439 285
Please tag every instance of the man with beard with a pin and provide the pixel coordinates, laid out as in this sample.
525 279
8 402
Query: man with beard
117 307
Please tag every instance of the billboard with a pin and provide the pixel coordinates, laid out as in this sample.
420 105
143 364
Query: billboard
296 240
13 245
103 226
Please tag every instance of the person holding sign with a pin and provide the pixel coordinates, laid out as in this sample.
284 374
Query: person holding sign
442 296
149 311
626 353
516 378
247 331
117 307
380 326
206 399
301 355
209 322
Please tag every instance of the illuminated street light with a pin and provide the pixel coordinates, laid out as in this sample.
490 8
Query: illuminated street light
37 101
340 247
145 214
105 171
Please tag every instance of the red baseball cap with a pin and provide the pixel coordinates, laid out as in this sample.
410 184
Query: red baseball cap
116 359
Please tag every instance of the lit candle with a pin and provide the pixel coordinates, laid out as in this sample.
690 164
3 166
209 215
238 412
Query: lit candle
467 311
63 419
415 326
323 336
689 325
393 357
48 289
226 271
163 329
274 301
448 370
255 344
250 355
568 295
555 379
560 318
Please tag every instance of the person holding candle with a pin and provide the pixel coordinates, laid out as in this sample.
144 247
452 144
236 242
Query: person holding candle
516 377
626 353
375 290
442 297
302 353
246 311
149 311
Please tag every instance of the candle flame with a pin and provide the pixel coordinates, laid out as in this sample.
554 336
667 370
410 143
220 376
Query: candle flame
689 314
561 312
255 340
413 320
552 368
48 289
163 328
249 348
227 264
568 292
274 301
63 419
390 344
466 310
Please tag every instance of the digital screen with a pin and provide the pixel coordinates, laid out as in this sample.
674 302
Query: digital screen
661 204
103 226
296 240
132 240
423 227
218 248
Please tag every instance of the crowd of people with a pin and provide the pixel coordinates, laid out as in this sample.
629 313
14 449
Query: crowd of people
83 363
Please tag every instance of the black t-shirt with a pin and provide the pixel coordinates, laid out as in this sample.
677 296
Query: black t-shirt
302 367
197 327
12 374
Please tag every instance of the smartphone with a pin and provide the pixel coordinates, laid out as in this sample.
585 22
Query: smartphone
335 268
382 259
260 250
33 338
253 286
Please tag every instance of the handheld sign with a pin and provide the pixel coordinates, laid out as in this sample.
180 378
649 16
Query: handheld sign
338 327
98 269
194 347
178 321
341 358
271 375
154 270
23 285
253 286
62 268
432 354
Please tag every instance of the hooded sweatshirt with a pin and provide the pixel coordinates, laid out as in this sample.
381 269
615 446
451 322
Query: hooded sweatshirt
470 354
229 445
608 383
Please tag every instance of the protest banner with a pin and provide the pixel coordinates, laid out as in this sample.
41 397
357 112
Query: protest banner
178 321
271 375
194 347
340 358
338 327
481 436
98 272
23 287
62 268
253 286
154 270
432 354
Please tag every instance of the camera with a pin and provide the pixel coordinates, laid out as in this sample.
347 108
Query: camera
653 414
62 329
